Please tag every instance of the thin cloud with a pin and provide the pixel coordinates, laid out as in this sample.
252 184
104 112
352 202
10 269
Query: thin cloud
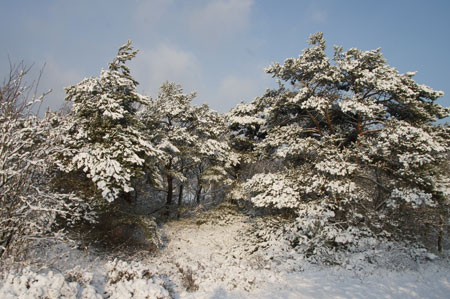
236 88
316 13
220 19
319 16
166 62
151 12
56 77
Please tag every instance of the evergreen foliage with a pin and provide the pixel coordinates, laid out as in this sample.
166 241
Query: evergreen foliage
105 138
356 147
192 139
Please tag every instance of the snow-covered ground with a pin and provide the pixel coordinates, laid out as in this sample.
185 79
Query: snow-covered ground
210 257
224 270
429 283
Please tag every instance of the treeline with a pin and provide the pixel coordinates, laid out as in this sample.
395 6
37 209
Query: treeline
346 144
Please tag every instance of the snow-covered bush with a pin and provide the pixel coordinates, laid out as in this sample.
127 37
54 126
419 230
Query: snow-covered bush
356 148
122 280
133 280
29 208
29 284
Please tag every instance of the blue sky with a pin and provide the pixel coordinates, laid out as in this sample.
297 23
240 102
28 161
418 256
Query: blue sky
218 48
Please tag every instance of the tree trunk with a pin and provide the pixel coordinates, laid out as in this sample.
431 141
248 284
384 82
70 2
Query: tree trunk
441 234
169 190
136 193
199 194
180 200
180 195
128 197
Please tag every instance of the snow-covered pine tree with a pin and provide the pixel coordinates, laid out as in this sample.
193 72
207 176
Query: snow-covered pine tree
245 122
356 144
188 135
105 139
217 159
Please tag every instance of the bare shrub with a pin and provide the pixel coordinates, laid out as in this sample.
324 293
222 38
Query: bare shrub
29 209
187 278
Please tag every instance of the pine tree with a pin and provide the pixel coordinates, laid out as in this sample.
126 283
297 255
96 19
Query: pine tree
190 137
105 139
356 145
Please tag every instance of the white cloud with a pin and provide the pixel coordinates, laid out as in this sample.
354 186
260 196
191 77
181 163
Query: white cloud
220 19
166 62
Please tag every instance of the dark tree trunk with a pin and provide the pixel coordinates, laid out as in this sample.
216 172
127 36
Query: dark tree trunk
128 197
180 200
169 184
199 194
180 196
441 234
136 192
169 190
